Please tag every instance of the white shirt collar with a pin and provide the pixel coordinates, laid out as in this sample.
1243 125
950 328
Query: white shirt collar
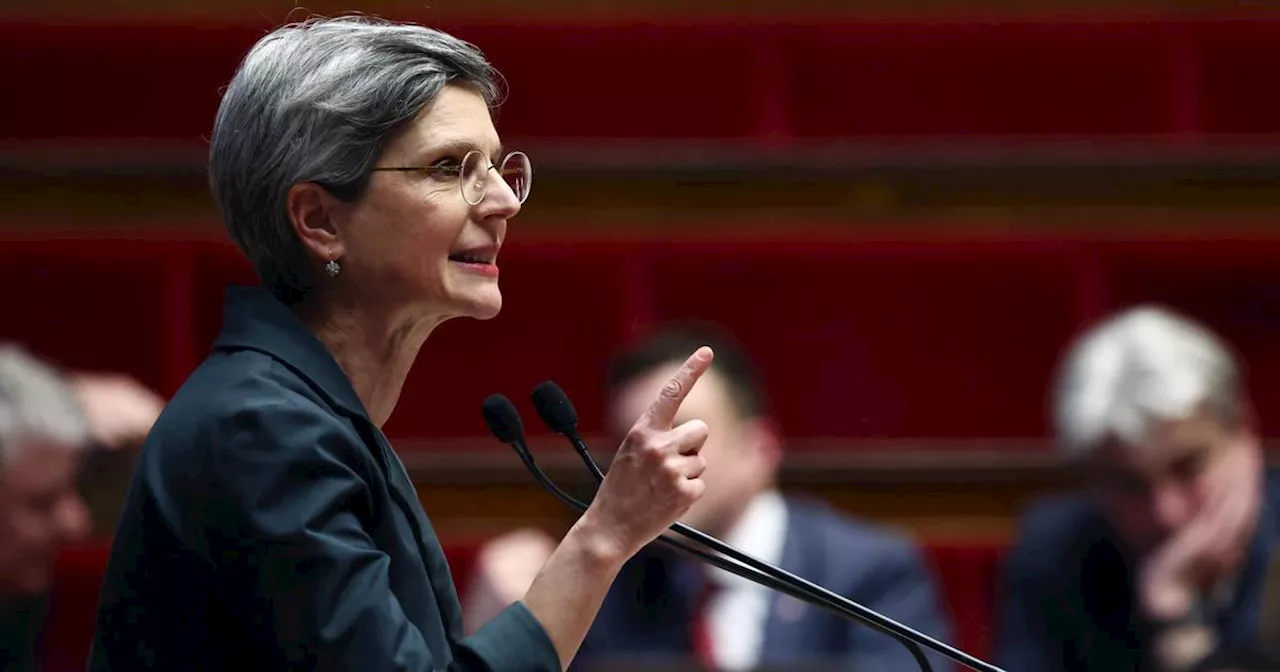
760 532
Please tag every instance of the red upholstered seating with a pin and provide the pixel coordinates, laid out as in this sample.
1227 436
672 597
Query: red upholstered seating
68 632
114 304
945 78
872 339
1157 77
969 573
858 339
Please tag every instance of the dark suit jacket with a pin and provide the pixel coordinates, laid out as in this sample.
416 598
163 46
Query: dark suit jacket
646 616
269 525
22 618
1067 600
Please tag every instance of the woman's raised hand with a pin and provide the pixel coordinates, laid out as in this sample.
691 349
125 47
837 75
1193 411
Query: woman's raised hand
656 474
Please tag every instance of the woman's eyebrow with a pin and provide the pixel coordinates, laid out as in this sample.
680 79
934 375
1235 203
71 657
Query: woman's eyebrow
459 148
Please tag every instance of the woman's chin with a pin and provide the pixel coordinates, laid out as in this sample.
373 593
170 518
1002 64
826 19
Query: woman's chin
488 313
485 307
476 302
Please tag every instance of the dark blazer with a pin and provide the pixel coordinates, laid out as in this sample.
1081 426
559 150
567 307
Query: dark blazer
269 525
647 612
1067 599
22 619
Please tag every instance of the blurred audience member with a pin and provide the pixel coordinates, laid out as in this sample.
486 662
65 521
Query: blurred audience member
47 422
666 608
43 433
1164 561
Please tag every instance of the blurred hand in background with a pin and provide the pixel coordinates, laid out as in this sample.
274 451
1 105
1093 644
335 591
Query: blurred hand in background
120 410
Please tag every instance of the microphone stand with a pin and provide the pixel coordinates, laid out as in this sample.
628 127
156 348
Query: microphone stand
558 414
504 423
728 564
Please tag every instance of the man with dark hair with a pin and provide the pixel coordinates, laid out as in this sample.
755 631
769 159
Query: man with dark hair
732 365
665 609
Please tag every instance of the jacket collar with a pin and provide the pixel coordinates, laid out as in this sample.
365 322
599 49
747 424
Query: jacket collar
253 319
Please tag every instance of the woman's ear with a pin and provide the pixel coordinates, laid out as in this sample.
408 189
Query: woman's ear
311 211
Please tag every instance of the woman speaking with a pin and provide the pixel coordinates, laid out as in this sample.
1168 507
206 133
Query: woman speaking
269 525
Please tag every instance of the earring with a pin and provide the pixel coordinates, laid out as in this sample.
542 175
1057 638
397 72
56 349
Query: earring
332 268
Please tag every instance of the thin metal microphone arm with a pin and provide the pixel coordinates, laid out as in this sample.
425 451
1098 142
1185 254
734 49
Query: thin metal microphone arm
729 564
909 636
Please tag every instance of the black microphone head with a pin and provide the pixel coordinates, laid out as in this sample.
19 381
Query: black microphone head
555 409
503 419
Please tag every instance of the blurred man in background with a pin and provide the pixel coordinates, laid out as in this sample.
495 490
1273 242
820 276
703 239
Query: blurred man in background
1164 564
48 421
665 609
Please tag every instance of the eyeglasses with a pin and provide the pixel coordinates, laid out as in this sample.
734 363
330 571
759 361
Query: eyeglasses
473 174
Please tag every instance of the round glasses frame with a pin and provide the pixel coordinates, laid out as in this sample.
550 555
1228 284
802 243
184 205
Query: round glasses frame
472 174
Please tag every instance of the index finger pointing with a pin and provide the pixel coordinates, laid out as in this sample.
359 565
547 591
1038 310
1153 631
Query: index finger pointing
663 411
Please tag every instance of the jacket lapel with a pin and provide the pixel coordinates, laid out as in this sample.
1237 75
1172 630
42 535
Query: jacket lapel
435 563
256 320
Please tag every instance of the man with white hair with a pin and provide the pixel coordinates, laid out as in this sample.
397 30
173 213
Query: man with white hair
47 422
43 432
1161 565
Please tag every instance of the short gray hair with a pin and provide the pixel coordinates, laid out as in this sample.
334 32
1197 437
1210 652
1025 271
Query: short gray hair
37 406
318 101
1142 366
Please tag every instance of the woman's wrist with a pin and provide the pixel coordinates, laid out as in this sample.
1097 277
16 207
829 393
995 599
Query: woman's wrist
598 542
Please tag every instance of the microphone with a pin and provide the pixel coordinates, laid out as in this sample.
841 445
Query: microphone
503 420
557 412
504 423
559 416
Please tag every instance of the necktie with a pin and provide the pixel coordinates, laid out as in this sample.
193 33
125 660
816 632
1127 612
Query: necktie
700 625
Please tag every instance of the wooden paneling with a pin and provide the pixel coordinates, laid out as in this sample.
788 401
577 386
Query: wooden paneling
938 502
1212 197
928 509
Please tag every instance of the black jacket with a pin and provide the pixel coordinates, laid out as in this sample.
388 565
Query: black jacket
269 525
